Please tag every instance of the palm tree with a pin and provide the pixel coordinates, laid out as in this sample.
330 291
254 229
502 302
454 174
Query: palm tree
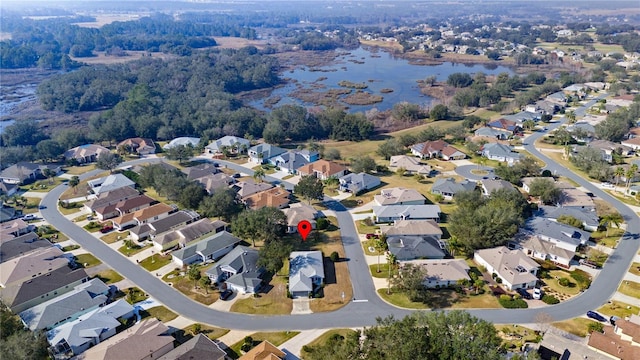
478 284
74 182
332 182
392 260
611 219
619 172
529 124
380 244
259 174
629 175
571 115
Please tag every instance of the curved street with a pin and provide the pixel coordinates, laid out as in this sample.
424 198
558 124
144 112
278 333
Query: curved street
368 306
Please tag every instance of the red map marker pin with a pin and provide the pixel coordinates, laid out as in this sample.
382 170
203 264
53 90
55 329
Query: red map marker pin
304 228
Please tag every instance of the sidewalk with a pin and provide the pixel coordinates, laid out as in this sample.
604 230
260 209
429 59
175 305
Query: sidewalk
625 298
293 346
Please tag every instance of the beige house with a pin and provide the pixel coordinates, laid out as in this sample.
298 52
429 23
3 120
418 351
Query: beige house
622 342
142 216
410 164
412 227
399 196
513 267
35 263
444 272
323 169
298 212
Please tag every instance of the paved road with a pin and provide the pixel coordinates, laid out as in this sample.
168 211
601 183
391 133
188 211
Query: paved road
466 171
360 313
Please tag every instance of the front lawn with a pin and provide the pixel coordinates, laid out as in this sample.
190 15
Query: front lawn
363 228
600 238
186 286
93 226
109 276
78 170
577 326
630 288
155 262
553 286
209 331
72 208
87 260
114 236
619 309
129 251
514 336
44 185
322 339
273 302
31 206
159 312
276 338
635 268
400 299
134 295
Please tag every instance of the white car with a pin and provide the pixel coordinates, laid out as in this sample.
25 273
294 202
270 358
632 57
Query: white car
537 294
29 217
608 185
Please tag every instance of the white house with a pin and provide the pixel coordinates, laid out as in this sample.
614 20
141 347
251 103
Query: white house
513 267
306 272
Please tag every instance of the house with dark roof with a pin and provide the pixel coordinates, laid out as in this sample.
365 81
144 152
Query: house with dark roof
214 182
205 250
13 228
109 183
505 125
21 296
111 197
238 270
15 247
608 148
563 235
292 160
448 187
171 222
146 340
30 265
67 307
26 172
261 153
198 347
500 152
8 189
588 217
410 247
413 228
513 267
124 207
306 272
249 187
200 171
232 144
522 116
141 146
85 153
490 185
8 213
492 133
184 235
557 98
437 149
357 183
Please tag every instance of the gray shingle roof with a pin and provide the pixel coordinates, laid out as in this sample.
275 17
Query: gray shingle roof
450 186
555 230
415 247
407 212
199 347
207 246
587 216
302 266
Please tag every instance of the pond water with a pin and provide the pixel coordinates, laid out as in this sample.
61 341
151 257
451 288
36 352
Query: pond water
378 70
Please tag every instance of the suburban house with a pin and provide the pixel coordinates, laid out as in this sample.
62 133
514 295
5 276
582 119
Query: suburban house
141 146
199 347
323 169
410 164
22 296
492 133
608 148
185 234
211 183
200 171
306 272
505 125
490 185
399 196
205 250
298 212
148 339
290 161
182 141
513 267
391 213
621 342
572 197
410 247
563 235
261 153
8 189
111 197
124 207
90 329
30 265
526 181
537 248
448 187
249 187
109 183
14 228
85 153
171 222
238 270
13 247
522 116
67 307
500 152
437 149
442 273
633 143
232 144
557 98
26 172
276 197
589 217
8 213
357 183
143 216
264 351
413 227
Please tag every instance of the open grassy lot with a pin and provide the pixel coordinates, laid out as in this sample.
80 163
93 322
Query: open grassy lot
273 302
78 170
635 268
71 208
129 251
619 309
44 185
601 238
159 312
114 236
87 260
109 276
577 326
325 337
276 338
152 193
181 282
209 331
630 288
515 336
441 299
554 288
31 205
155 262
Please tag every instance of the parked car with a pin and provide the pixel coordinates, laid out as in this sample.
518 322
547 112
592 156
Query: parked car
524 293
589 263
42 207
613 319
226 294
537 293
595 316
106 229
371 236
607 185
29 217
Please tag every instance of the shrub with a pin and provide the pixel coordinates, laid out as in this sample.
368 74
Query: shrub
247 344
517 296
334 256
550 299
564 282
595 326
582 278
494 275
322 223
368 221
512 304
505 297
499 280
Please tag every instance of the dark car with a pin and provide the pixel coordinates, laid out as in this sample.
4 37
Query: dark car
106 229
613 320
595 316
226 294
524 293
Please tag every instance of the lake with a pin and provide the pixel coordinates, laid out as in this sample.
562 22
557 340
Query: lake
378 70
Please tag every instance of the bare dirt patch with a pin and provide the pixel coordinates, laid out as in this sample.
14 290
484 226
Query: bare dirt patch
238 43
102 58
104 19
